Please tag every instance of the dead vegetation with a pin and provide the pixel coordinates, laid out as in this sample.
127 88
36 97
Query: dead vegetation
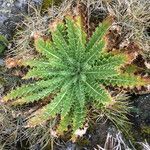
34 23
131 17
134 18
114 142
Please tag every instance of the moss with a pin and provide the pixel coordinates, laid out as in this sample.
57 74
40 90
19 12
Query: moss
3 43
47 3
146 130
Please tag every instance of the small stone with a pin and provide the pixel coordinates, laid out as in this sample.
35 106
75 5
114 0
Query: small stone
1 62
147 64
8 4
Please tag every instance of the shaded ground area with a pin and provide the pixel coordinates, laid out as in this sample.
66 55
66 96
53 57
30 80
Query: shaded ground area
141 117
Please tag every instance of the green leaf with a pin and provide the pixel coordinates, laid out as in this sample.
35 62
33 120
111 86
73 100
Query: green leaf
81 94
36 96
79 115
97 48
67 103
60 42
98 93
98 34
46 73
63 125
51 109
110 60
41 63
126 80
102 72
25 90
46 48
72 38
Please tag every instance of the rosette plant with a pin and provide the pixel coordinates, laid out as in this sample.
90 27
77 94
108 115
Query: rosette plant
71 74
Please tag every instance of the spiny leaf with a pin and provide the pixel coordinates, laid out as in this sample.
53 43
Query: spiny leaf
46 48
102 72
67 104
60 42
50 110
45 73
72 38
127 80
30 88
79 115
98 93
63 125
79 111
97 48
110 60
41 63
81 94
99 33
36 96
36 63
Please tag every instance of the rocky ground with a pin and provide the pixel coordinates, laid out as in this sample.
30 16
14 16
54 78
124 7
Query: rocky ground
11 13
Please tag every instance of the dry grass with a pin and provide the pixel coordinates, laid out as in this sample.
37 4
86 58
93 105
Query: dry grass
34 23
134 17
114 142
145 145
8 128
14 134
117 112
40 136
23 39
117 142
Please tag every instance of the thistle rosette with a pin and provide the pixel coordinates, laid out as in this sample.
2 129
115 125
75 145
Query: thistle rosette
75 70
